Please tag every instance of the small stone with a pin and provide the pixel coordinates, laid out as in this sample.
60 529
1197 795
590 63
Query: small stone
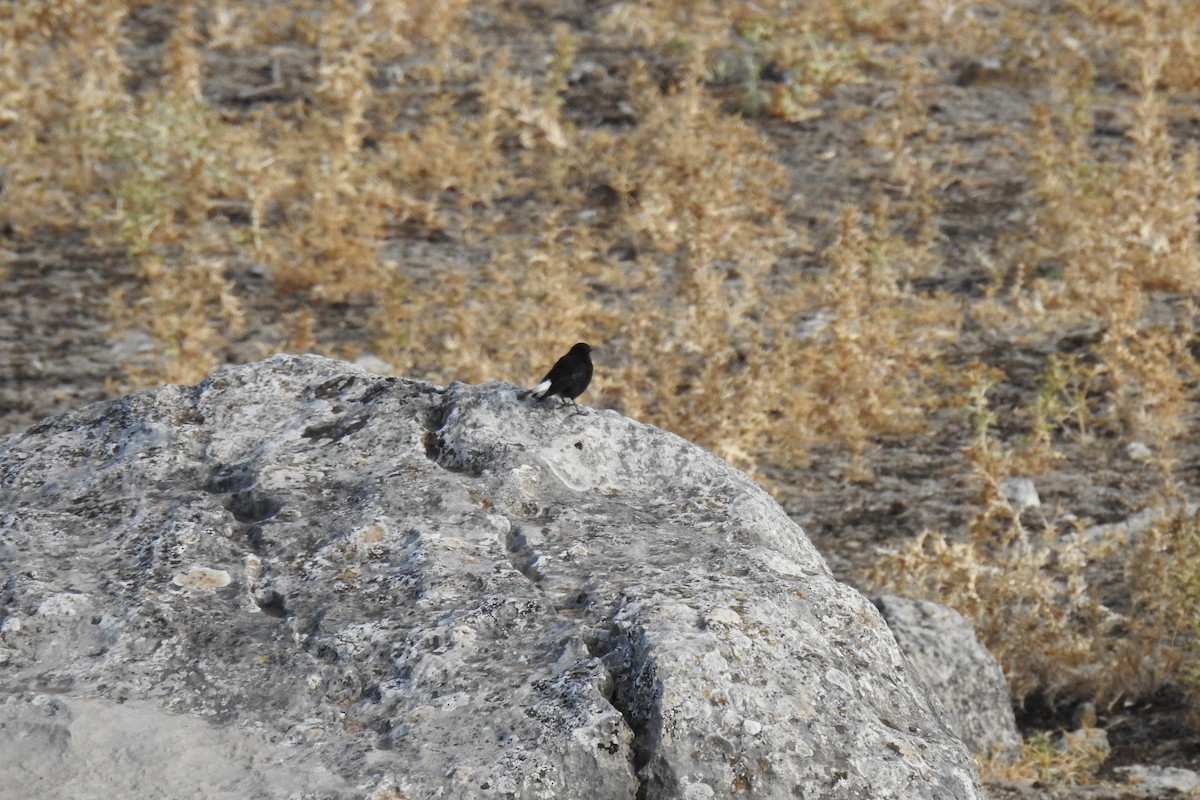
373 363
1084 716
1090 741
1155 781
1138 452
202 579
1021 493
64 604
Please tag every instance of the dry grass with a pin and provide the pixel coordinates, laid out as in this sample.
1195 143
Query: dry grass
1050 759
479 196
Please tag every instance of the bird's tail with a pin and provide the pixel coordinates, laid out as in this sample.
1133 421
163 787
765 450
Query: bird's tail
538 392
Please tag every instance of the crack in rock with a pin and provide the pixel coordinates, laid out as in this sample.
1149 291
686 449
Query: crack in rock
523 554
635 693
437 423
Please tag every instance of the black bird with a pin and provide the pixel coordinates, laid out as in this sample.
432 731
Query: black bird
569 376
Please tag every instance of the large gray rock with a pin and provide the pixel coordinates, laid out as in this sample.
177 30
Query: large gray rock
959 671
298 579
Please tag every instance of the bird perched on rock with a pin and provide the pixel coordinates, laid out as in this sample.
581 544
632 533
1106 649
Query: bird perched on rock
569 376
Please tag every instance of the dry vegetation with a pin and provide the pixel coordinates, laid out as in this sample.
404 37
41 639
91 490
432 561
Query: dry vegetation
791 234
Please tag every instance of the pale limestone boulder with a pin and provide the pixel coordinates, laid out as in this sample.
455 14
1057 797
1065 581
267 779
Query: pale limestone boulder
966 679
312 581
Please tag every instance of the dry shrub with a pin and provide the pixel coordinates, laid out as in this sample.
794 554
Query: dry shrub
475 334
900 137
862 374
910 22
61 78
1160 568
679 180
136 171
1120 229
1049 759
1117 226
1146 380
1123 32
152 170
677 25
323 179
696 315
1072 613
704 335
697 328
531 296
783 62
1061 411
336 208
1032 594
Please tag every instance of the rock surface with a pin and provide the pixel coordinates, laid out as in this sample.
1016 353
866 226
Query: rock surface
960 672
1155 781
298 579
